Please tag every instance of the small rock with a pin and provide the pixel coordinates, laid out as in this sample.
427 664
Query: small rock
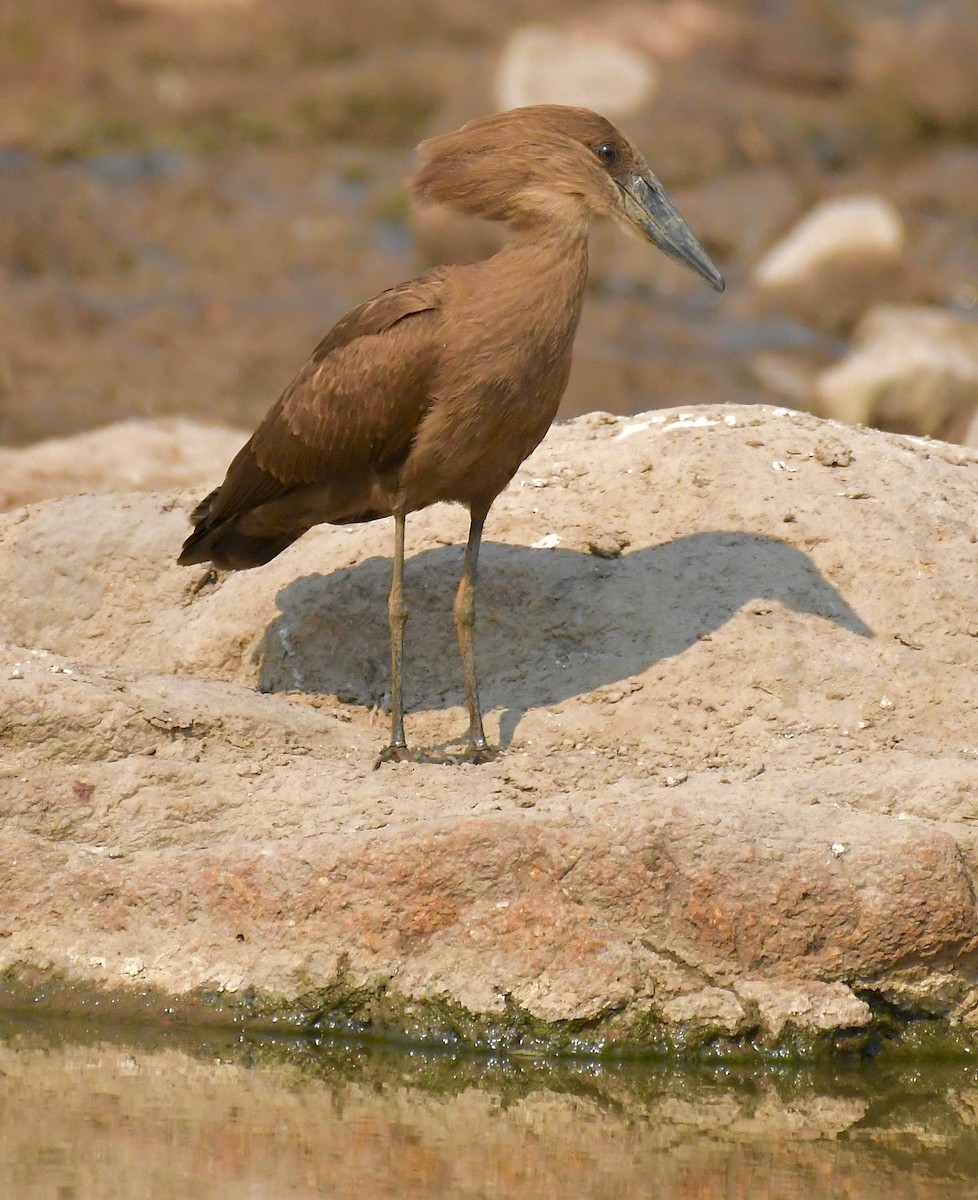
831 451
912 370
543 65
606 545
853 226
836 260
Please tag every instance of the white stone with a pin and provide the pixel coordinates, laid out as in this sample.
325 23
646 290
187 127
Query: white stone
542 65
911 367
857 226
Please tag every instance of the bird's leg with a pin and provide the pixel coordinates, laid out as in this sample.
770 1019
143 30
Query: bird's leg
398 615
479 748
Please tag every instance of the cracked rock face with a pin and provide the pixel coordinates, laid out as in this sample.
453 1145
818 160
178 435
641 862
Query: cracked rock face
730 654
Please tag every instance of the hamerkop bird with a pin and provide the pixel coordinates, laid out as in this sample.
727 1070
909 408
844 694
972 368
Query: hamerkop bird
439 388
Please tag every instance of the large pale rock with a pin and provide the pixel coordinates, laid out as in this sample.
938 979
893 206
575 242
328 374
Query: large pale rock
737 785
131 456
911 369
835 260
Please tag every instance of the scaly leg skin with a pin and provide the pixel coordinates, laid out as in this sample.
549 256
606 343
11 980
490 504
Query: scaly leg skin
479 750
396 750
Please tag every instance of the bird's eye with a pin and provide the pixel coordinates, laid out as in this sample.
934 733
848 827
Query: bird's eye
607 152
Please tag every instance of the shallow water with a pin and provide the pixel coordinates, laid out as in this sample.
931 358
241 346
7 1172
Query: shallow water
87 1112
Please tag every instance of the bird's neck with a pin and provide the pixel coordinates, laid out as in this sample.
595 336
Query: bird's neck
558 233
545 263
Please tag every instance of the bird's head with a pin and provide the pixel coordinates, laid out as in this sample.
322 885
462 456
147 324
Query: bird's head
558 165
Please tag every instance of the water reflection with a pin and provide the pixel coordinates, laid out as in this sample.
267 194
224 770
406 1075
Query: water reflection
86 1115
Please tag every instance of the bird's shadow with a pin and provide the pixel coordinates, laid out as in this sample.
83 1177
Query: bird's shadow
551 624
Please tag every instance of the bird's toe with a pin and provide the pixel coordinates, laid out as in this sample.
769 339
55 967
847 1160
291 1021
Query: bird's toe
393 753
479 754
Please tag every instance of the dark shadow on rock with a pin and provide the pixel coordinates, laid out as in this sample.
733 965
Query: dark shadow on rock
551 624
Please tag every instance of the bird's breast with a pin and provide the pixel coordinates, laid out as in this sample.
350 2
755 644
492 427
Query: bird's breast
507 334
485 417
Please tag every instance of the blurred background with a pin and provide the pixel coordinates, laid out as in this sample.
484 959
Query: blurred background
193 191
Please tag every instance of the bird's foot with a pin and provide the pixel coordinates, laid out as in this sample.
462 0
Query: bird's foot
474 753
395 753
478 753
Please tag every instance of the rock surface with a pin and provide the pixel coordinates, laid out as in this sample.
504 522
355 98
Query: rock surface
737 798
127 457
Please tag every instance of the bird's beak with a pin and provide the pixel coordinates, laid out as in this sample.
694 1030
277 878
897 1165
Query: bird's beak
649 208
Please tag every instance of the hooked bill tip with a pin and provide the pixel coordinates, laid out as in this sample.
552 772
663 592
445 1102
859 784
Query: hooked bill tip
692 254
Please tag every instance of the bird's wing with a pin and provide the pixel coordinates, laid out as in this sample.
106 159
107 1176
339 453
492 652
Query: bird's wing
354 405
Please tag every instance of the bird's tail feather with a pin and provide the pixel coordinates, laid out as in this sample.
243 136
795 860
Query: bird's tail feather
228 548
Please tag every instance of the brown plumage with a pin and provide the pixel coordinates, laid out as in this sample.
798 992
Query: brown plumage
439 388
